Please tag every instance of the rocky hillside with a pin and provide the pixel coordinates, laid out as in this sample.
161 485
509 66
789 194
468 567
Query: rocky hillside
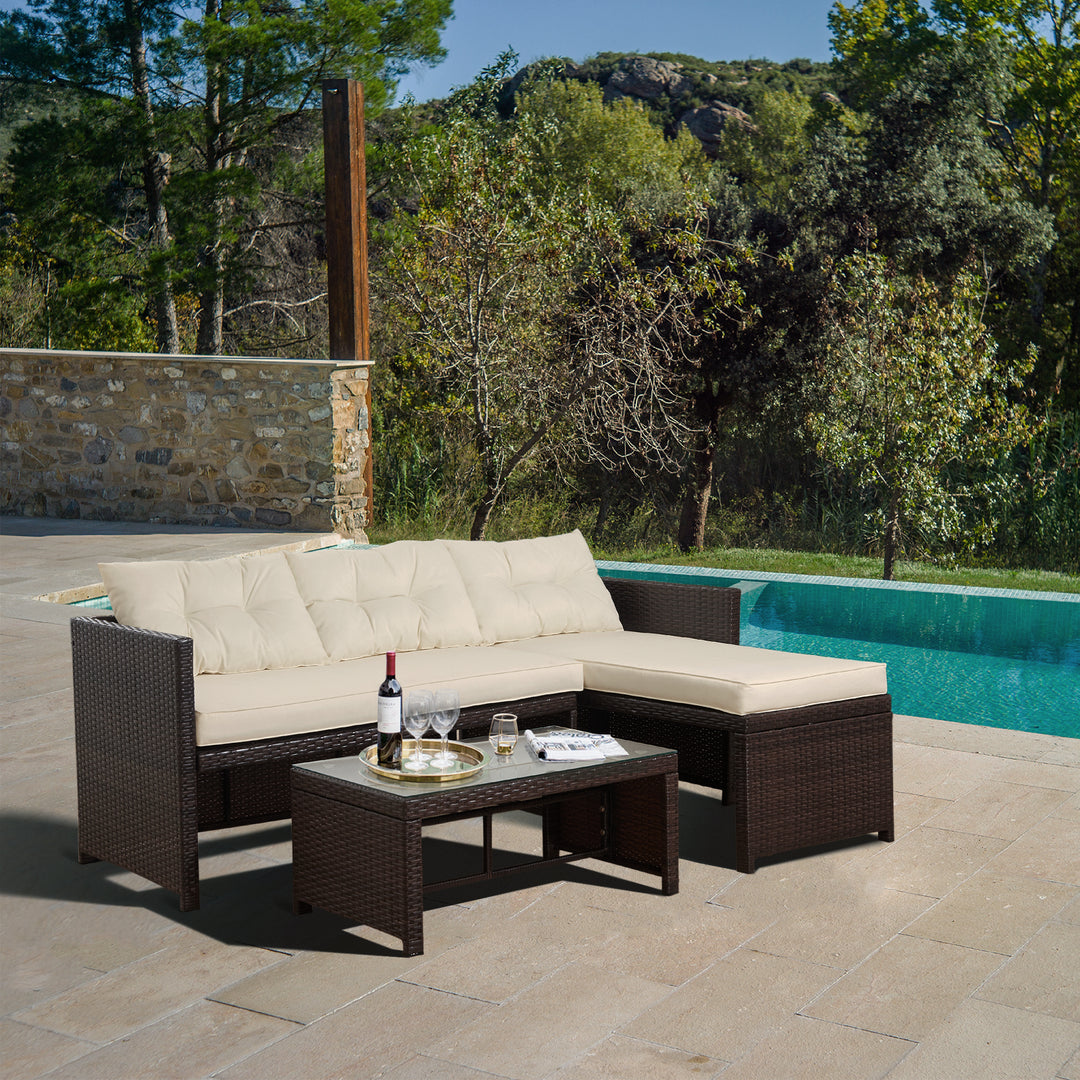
704 95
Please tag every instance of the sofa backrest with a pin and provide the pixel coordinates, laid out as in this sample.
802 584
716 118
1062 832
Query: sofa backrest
532 588
242 614
293 610
404 596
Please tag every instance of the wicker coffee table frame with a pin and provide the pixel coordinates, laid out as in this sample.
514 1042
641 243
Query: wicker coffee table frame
357 845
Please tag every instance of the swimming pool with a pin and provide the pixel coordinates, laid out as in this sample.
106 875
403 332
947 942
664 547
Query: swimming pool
1000 658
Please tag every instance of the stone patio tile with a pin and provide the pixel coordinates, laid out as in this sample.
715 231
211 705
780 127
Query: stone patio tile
993 911
932 862
1004 810
975 738
1069 809
141 993
29 764
839 927
1056 770
52 946
906 988
940 773
552 1023
1067 753
620 1058
724 1012
982 1039
911 811
31 734
423 1067
814 1048
1044 977
28 1052
58 705
302 988
194 1042
384 1029
1071 1071
1070 913
1050 849
496 967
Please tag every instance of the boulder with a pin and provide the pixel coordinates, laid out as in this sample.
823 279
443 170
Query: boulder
644 77
707 123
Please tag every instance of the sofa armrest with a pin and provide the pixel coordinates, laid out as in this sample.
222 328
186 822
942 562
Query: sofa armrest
660 607
134 703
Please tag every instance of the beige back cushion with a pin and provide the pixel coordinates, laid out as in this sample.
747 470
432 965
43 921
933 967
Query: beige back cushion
404 596
242 614
532 588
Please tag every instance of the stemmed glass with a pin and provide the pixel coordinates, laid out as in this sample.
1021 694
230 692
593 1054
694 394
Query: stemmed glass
443 720
418 709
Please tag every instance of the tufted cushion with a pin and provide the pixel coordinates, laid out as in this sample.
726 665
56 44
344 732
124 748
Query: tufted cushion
242 614
405 596
235 708
532 588
735 679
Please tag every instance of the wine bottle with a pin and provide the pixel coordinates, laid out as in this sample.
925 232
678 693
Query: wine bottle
389 717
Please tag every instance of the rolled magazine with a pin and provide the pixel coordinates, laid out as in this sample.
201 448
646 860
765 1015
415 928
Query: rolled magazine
571 745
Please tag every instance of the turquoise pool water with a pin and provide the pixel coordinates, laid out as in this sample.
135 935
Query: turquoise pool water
999 658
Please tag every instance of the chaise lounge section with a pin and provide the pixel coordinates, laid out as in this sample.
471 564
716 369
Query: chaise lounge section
194 700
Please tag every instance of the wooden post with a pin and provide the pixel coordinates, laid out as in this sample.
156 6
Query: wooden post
346 234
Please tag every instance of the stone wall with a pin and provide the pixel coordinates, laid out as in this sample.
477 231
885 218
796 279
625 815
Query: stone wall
185 439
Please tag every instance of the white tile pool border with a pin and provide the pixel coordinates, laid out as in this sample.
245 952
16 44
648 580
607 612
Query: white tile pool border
631 569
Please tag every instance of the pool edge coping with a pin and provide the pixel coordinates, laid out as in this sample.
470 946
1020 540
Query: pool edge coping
670 570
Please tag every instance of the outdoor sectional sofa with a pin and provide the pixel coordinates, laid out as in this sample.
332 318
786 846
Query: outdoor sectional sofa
212 678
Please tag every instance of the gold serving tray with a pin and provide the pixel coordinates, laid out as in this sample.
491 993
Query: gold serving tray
471 759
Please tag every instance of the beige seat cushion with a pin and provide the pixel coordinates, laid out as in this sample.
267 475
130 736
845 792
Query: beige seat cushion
404 596
267 704
242 614
735 679
533 588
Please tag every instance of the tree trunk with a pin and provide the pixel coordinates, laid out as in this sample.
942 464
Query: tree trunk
483 514
211 258
156 169
695 505
892 534
212 305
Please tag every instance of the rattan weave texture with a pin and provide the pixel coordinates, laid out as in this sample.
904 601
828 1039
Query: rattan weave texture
146 790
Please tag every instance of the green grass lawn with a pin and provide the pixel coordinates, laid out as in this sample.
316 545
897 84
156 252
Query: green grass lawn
851 566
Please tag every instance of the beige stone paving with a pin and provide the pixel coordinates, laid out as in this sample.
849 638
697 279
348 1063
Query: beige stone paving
953 952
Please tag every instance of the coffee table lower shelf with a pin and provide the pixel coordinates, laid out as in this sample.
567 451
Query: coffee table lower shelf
357 840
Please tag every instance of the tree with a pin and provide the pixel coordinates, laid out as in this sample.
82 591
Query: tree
202 92
613 150
473 273
920 405
540 313
1034 126
769 157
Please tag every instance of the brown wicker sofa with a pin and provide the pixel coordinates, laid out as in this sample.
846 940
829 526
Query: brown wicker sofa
156 766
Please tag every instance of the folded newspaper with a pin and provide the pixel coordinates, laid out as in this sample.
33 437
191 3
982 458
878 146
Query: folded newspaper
572 745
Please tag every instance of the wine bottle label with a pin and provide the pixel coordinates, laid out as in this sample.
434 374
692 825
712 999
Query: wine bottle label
389 720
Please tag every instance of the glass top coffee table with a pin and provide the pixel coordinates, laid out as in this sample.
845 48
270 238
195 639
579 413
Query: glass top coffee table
357 836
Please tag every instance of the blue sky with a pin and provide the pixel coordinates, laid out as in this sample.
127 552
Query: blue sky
711 29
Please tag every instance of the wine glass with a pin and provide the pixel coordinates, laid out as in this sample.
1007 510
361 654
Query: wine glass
418 709
443 720
503 735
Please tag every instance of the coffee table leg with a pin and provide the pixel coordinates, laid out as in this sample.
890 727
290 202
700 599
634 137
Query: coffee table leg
359 865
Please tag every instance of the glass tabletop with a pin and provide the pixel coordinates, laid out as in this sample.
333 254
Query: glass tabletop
521 764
